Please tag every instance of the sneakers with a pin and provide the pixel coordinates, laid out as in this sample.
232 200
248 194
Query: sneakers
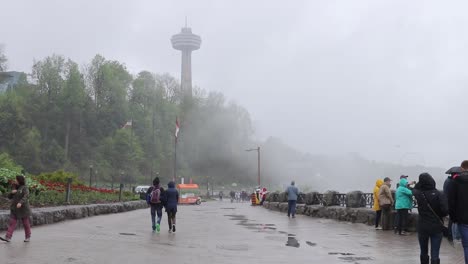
154 228
27 239
6 239
158 228
403 233
293 216
170 230
173 228
379 228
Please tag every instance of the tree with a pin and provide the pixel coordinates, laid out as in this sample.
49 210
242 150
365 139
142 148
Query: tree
3 59
72 104
49 74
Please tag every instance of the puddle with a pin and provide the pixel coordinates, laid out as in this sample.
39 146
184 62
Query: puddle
241 247
354 259
292 242
311 244
127 234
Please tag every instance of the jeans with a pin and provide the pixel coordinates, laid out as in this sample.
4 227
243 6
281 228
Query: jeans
171 217
464 236
12 226
156 209
378 215
436 240
292 207
402 218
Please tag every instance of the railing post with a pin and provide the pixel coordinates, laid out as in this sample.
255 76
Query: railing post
68 192
120 192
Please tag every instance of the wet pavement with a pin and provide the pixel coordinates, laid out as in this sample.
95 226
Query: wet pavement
215 232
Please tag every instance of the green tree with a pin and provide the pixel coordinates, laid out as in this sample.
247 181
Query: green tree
3 59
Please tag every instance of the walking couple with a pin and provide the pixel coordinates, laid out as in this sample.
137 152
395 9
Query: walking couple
158 198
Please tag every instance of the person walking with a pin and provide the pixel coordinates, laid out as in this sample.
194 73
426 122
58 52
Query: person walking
432 207
292 193
403 204
171 199
453 172
386 202
19 209
376 206
458 202
153 198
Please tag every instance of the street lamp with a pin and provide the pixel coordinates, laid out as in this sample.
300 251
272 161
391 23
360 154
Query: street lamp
90 174
258 162
95 178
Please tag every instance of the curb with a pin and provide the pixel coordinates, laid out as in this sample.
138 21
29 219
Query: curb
51 215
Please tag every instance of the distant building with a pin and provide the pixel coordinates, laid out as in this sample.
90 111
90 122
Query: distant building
9 80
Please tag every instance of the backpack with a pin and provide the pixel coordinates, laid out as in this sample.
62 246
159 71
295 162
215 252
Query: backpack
155 195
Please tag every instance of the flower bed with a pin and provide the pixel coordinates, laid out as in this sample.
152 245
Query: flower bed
46 193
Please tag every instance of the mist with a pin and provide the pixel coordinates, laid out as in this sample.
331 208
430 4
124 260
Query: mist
336 94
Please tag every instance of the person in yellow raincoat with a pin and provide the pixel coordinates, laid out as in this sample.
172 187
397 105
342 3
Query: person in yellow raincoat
376 207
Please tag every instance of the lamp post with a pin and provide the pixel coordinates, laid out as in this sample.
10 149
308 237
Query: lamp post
90 174
258 162
95 178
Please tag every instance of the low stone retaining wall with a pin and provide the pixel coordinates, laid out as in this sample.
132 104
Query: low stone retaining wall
50 215
353 215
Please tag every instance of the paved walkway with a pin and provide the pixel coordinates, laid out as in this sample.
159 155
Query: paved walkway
215 232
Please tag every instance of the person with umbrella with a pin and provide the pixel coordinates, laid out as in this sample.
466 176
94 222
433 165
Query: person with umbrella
448 184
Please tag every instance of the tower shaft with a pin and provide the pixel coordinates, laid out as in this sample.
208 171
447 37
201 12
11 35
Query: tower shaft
186 73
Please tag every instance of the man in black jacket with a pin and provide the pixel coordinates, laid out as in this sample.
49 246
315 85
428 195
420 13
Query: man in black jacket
458 204
432 207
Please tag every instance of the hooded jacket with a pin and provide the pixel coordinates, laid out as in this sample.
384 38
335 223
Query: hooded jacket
403 196
458 199
378 184
426 194
171 197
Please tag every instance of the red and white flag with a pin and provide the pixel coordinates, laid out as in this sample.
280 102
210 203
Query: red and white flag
177 128
128 124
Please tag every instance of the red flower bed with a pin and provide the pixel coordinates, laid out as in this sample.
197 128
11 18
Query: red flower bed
61 187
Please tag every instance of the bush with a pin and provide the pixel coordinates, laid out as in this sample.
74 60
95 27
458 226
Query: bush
59 176
7 177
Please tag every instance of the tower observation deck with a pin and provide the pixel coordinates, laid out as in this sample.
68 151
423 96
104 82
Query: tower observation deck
186 42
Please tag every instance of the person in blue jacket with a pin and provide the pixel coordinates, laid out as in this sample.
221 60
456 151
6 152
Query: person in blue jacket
171 199
403 203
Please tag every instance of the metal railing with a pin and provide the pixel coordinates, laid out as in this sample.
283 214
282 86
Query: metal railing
338 199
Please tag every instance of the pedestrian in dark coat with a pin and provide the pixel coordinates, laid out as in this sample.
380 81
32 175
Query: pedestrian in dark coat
171 199
432 207
19 209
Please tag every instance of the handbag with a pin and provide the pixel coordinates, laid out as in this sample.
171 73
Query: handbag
445 230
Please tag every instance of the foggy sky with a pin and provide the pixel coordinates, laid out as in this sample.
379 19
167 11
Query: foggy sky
384 79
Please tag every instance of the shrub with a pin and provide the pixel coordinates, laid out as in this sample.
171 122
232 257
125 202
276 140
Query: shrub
59 176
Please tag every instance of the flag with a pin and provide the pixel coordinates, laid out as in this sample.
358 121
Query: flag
177 127
128 124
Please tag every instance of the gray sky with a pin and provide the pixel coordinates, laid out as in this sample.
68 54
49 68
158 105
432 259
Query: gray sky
382 78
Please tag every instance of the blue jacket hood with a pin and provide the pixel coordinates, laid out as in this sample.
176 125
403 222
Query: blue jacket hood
171 184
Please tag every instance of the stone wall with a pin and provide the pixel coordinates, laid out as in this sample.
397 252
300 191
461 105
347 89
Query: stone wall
354 215
50 215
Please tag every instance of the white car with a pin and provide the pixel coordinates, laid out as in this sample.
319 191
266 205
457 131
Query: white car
141 189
